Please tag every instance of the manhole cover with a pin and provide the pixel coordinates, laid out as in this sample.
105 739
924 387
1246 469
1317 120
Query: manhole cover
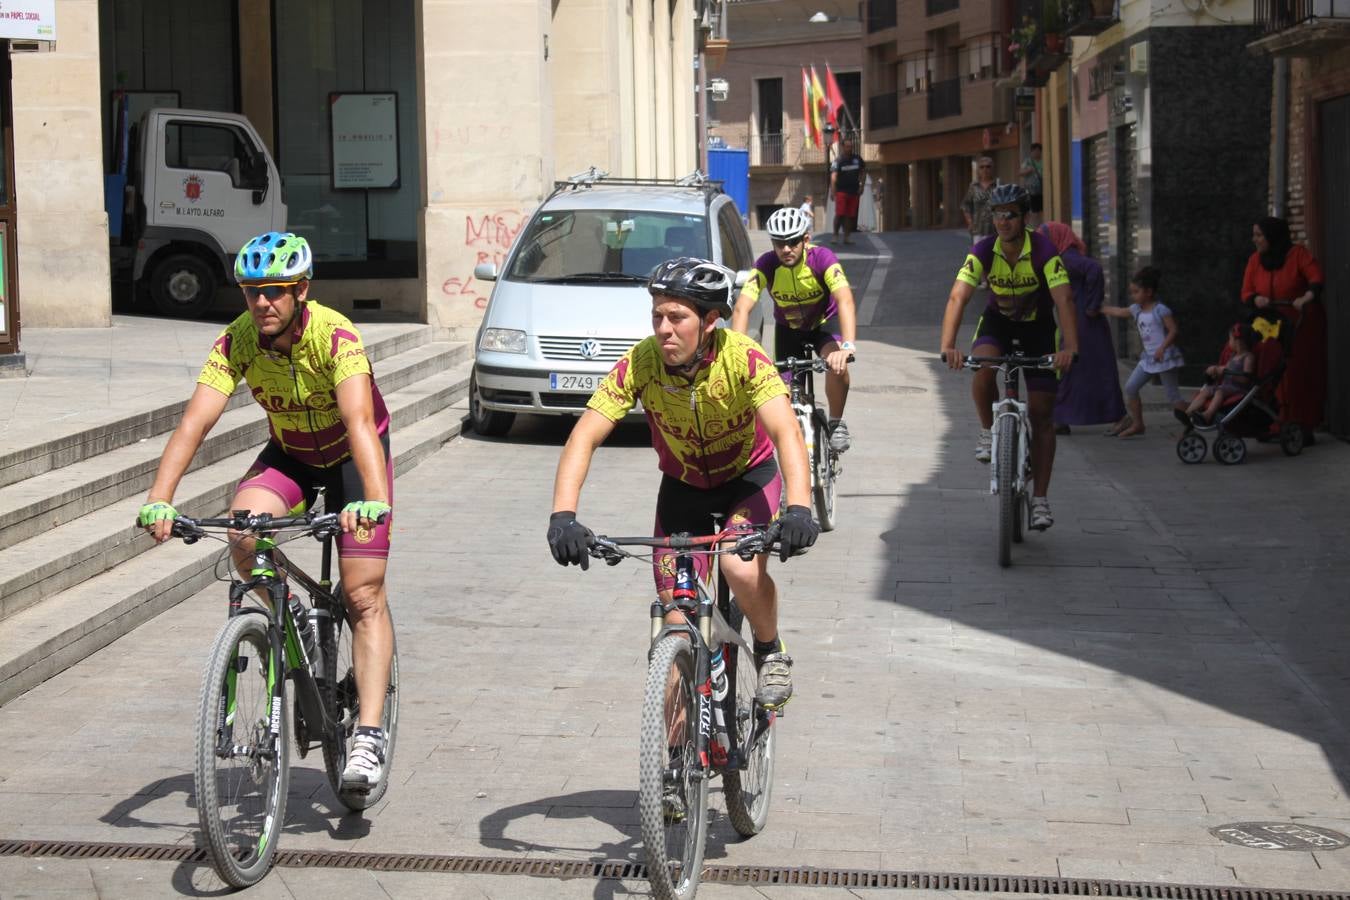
888 389
1280 836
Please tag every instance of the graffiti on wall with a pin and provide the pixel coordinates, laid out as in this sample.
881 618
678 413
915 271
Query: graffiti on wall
487 238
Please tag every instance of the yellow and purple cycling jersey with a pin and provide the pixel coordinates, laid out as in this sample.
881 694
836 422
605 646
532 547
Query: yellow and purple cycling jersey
298 391
803 295
704 431
1020 291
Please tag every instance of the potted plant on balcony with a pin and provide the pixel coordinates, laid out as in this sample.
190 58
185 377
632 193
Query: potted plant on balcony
1020 41
1052 24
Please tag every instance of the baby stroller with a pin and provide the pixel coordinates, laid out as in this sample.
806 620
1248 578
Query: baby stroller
1254 414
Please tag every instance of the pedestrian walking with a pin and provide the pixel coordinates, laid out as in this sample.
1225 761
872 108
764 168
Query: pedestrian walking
1089 394
809 210
848 173
975 208
1158 332
1285 277
1033 172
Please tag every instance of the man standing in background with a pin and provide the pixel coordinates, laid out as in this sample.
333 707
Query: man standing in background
1031 172
847 174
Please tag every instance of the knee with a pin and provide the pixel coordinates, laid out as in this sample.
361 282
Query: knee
364 600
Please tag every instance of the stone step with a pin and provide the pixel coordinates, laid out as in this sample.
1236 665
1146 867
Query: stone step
46 638
79 445
60 558
50 499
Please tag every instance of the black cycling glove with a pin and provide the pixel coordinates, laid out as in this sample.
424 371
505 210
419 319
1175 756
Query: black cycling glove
569 540
796 531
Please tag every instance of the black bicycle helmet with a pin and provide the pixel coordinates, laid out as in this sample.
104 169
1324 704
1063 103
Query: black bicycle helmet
1010 194
704 284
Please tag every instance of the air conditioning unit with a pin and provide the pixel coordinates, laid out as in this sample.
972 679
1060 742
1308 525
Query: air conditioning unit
1139 58
16 46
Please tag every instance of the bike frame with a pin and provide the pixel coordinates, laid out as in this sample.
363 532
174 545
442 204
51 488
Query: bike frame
1011 407
802 396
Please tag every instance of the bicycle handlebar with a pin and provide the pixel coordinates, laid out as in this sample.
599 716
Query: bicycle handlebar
748 544
1016 361
796 364
320 525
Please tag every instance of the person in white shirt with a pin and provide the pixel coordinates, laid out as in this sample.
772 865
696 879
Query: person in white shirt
808 208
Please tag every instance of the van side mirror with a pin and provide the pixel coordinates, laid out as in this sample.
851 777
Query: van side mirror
485 271
741 278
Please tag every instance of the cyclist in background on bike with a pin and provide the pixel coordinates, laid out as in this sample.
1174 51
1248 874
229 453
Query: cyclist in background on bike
1028 285
717 408
329 427
812 304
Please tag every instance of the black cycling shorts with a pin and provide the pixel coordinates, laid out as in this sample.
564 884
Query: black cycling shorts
789 341
1039 337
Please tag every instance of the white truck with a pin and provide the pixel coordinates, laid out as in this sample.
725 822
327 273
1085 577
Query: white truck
198 184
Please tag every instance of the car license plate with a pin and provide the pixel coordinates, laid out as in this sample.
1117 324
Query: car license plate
562 381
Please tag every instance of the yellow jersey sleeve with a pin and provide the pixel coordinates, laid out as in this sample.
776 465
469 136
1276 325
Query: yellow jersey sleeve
222 370
835 278
1055 273
754 285
618 392
347 352
972 272
762 381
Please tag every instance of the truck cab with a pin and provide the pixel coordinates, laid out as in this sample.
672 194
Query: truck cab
200 184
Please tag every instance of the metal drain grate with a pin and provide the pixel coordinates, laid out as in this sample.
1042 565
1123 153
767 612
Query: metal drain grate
619 869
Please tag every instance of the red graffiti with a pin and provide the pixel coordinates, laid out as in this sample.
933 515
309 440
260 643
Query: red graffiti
497 230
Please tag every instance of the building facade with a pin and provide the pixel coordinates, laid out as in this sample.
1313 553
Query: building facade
1308 45
771 43
494 101
939 95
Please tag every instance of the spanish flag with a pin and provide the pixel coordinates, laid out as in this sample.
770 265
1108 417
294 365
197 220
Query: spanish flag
818 102
808 132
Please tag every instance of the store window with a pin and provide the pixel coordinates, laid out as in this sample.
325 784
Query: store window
341 47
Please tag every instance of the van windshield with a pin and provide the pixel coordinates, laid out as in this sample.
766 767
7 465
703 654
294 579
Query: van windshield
604 246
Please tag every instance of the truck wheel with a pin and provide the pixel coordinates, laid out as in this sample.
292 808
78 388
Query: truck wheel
182 286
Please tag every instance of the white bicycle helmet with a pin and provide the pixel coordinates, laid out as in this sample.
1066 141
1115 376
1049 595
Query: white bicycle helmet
788 223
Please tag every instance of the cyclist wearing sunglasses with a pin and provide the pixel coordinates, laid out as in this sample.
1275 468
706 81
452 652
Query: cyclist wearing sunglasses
306 366
812 304
1027 286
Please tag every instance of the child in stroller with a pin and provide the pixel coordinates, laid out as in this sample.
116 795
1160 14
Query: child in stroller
1240 400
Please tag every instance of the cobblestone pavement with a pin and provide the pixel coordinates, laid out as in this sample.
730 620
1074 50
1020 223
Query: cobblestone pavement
1167 659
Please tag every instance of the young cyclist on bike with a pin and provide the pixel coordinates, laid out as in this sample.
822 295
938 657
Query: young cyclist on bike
718 409
307 367
812 304
1028 285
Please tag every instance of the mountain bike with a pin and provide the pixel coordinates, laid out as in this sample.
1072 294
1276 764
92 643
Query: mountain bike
815 425
244 725
1010 475
699 715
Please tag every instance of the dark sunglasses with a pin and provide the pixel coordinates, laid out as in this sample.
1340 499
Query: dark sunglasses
1006 215
270 291
780 244
986 167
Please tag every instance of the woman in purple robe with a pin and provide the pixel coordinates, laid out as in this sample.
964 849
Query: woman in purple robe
1090 393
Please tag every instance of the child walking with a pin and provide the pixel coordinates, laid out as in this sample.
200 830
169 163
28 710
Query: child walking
1158 332
1231 378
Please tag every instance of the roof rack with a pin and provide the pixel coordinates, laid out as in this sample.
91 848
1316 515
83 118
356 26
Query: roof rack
594 176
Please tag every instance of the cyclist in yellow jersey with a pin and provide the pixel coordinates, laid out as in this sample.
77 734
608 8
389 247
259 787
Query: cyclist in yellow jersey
1028 285
812 304
718 409
306 366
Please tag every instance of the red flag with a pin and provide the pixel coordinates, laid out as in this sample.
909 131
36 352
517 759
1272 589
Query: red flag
835 98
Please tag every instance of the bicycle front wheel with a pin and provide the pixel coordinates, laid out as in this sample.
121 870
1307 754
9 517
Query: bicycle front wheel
822 466
1007 492
242 765
344 706
672 782
748 787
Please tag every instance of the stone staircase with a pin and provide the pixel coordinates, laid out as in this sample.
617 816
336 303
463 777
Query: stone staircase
73 574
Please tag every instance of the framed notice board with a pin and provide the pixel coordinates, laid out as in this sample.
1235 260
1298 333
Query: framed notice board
365 140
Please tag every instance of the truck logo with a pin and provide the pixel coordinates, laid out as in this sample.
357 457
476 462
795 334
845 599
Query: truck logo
192 188
590 349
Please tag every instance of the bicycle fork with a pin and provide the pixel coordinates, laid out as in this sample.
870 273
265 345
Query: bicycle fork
1008 410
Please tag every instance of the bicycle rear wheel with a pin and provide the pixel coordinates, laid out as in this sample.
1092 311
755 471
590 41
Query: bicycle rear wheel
672 782
822 467
1007 497
242 755
344 708
747 789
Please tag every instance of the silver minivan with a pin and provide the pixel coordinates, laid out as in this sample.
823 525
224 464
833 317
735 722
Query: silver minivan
571 296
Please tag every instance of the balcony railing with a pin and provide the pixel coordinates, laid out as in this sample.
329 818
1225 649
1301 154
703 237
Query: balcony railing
880 15
944 98
1087 17
770 150
883 110
935 7
1277 15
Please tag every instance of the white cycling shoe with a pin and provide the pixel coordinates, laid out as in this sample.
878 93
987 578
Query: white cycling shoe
984 447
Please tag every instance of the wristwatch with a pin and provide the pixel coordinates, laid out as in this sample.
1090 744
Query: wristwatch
847 345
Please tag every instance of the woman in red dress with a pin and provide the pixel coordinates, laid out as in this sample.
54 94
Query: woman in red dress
1285 277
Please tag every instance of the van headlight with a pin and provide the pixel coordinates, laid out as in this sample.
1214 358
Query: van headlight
503 340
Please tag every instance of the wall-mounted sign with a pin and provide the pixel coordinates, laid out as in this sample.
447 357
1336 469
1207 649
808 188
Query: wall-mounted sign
364 127
28 20
1024 98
